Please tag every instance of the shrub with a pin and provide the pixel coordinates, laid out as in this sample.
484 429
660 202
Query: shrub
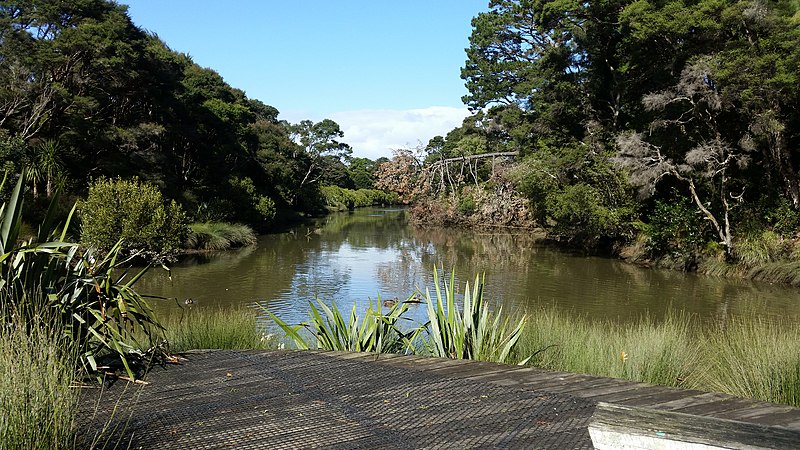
135 212
786 218
466 204
248 204
86 295
676 228
580 215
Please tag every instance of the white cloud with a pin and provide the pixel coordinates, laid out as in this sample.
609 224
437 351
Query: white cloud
376 132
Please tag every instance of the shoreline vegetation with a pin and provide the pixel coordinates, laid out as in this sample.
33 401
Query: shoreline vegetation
762 255
746 358
664 133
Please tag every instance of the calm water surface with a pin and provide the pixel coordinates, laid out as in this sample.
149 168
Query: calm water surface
353 257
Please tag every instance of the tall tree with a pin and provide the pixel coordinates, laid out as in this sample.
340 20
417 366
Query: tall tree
318 141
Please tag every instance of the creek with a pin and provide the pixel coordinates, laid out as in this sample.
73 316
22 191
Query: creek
354 257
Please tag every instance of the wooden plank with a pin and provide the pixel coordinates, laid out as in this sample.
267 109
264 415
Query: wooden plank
553 384
714 409
620 390
621 397
615 426
653 396
776 417
693 401
759 410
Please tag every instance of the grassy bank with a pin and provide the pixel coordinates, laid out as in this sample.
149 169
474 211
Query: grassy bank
38 405
215 236
754 358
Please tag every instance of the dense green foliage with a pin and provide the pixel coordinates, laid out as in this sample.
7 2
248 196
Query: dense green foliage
338 198
87 94
613 109
134 212
210 236
84 294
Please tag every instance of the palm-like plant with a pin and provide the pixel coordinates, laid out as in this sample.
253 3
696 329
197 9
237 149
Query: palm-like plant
472 333
49 279
375 333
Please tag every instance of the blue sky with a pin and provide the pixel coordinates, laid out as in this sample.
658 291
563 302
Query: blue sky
387 71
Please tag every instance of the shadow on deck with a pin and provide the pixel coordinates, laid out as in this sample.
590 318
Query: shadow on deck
314 399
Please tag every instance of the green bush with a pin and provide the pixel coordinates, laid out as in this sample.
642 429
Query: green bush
212 236
135 212
248 204
785 218
346 199
580 215
676 228
466 204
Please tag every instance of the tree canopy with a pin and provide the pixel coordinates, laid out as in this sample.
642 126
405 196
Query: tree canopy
84 93
618 107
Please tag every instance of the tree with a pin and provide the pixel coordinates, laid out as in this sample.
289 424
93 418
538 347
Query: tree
362 172
699 152
758 70
400 175
318 141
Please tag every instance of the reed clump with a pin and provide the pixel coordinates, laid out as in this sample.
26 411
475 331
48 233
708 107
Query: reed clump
754 358
654 352
215 328
216 236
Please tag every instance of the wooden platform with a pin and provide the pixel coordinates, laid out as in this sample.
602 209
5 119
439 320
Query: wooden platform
313 399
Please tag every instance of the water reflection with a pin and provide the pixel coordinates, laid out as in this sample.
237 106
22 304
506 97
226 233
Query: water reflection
354 257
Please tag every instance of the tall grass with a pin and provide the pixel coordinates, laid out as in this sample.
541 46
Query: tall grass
215 236
756 359
214 328
661 353
37 405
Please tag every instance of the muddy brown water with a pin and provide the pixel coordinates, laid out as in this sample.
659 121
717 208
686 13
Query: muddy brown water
352 258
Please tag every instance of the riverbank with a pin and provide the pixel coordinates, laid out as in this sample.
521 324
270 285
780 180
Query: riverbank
761 256
753 359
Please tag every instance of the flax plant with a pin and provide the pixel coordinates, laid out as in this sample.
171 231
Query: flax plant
473 332
376 332
86 294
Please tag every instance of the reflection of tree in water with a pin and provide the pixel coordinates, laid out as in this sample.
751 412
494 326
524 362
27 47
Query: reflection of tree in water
319 277
365 228
352 257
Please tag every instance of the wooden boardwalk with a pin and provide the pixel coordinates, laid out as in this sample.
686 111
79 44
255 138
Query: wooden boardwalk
314 399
